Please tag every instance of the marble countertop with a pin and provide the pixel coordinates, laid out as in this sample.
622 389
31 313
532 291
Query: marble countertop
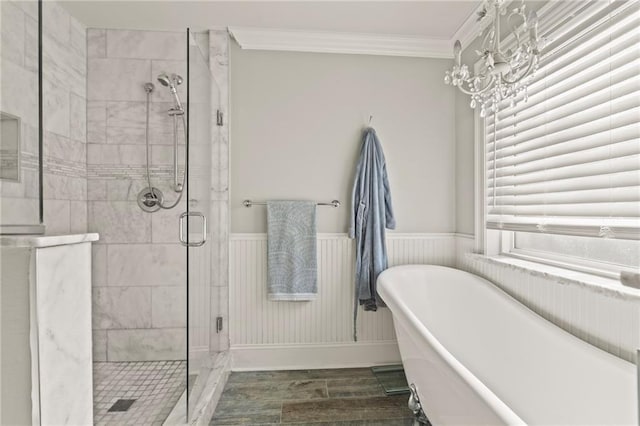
46 240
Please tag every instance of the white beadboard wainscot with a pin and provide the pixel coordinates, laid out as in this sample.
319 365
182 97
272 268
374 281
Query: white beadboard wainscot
279 335
606 317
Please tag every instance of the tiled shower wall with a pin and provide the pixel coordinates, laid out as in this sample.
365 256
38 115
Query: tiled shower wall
139 266
219 66
64 102
65 133
19 97
139 304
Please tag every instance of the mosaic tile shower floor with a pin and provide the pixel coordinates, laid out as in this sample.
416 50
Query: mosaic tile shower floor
155 386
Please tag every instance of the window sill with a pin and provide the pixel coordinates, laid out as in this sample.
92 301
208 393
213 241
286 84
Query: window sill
610 287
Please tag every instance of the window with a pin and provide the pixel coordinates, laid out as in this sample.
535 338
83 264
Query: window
563 164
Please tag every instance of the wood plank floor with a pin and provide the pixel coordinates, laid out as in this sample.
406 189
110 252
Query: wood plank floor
309 397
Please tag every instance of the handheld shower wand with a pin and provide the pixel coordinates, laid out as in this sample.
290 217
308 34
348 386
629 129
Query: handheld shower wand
151 199
171 83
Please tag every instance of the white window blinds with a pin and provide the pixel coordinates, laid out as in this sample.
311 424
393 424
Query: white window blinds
567 161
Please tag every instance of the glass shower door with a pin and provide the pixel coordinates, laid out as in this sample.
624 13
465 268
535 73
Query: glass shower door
200 88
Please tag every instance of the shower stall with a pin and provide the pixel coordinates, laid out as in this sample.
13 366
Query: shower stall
120 132
172 188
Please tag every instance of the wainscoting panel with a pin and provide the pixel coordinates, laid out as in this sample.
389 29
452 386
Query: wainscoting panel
255 320
606 318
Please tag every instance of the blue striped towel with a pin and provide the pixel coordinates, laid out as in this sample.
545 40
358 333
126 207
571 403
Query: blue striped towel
291 250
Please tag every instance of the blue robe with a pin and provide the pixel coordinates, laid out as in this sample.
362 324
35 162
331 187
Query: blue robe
372 213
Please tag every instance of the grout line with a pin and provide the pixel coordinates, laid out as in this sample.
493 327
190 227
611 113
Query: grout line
106 260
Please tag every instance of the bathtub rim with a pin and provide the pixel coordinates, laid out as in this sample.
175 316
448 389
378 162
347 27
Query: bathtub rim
403 312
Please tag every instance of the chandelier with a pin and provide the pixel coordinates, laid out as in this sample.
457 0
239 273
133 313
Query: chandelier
504 74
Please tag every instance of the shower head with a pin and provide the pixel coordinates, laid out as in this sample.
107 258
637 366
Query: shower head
171 83
164 80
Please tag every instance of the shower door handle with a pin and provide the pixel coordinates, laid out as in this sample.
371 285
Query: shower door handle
185 241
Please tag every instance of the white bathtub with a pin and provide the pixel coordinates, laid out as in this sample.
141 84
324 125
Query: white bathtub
478 356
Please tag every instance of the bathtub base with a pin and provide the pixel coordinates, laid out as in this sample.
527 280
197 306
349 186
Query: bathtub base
416 407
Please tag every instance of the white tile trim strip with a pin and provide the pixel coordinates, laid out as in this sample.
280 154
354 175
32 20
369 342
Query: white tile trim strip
314 356
29 161
118 171
60 167
330 42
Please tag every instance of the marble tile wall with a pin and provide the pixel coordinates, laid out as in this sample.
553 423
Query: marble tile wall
200 172
65 130
219 66
139 267
19 88
94 150
62 303
64 114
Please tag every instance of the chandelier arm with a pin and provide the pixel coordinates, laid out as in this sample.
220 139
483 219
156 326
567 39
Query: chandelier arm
516 47
481 91
514 28
532 60
465 91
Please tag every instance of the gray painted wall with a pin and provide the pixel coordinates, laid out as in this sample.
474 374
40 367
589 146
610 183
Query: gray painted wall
465 178
465 149
296 134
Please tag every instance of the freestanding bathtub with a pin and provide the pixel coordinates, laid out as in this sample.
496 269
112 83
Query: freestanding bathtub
478 356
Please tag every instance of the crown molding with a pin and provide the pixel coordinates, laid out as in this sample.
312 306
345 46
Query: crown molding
329 42
469 30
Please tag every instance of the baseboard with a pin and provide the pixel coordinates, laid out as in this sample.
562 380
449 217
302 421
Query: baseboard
313 356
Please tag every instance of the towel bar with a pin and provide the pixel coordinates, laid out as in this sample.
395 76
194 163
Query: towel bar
249 203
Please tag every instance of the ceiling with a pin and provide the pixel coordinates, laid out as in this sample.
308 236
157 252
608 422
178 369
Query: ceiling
427 19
